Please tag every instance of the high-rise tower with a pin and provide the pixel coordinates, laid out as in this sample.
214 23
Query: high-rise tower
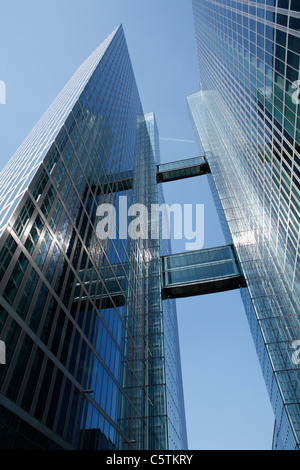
246 116
92 355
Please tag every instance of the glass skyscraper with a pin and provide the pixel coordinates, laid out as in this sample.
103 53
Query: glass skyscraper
92 351
246 116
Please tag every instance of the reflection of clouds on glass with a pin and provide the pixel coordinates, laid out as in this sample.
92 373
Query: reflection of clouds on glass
2 92
266 91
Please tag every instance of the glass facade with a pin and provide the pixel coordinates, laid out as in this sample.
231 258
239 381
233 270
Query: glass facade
182 169
197 266
246 116
92 352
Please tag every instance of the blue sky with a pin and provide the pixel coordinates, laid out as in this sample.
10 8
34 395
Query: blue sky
42 44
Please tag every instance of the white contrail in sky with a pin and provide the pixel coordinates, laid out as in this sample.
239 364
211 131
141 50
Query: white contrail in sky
177 140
